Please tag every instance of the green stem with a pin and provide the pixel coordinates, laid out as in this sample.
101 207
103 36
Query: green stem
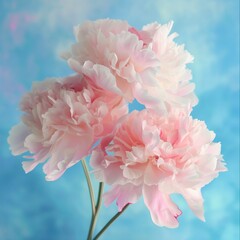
94 220
90 187
110 222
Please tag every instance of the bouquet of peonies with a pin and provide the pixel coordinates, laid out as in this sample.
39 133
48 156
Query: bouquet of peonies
152 153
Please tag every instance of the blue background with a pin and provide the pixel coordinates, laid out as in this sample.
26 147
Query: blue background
33 34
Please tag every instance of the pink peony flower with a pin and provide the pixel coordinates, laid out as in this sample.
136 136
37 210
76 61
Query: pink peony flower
63 118
155 156
148 64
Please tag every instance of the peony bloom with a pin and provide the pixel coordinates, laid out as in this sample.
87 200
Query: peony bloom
148 65
63 118
155 156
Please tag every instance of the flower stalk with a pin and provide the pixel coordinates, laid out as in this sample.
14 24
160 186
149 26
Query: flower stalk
98 206
90 187
110 222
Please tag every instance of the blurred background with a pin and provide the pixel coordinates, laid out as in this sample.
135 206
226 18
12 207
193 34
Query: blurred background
34 33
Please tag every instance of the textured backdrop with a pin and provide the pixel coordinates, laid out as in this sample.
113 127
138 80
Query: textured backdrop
33 34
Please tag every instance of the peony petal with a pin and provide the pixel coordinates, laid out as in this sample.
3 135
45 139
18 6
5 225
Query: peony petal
16 139
163 211
101 76
39 157
153 174
123 195
75 65
134 171
195 201
68 151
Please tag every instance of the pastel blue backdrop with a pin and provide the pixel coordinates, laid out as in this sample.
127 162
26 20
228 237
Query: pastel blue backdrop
34 33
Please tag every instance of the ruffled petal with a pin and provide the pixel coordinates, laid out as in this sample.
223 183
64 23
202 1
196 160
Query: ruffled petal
16 139
195 201
67 152
163 211
123 194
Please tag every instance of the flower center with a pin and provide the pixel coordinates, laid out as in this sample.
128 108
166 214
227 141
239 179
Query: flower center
156 160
